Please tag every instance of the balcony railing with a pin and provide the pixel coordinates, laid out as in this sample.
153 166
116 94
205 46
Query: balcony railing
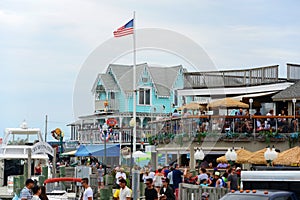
94 136
112 105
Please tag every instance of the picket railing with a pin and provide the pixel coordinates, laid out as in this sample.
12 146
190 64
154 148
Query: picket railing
194 192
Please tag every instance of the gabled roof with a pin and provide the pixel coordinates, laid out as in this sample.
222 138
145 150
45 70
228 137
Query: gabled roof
289 93
107 81
164 78
121 76
124 75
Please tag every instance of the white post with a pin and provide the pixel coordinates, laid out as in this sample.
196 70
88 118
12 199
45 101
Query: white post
120 140
134 85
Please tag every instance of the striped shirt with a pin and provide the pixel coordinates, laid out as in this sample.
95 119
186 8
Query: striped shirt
26 193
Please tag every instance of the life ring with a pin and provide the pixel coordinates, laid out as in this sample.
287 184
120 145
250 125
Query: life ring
111 122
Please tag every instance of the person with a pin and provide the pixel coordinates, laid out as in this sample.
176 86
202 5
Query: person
177 177
188 177
100 171
43 195
36 190
120 175
158 180
222 165
232 180
150 191
202 175
116 195
88 192
38 169
175 113
26 192
125 192
204 183
166 193
241 112
219 181
205 196
270 123
146 175
170 177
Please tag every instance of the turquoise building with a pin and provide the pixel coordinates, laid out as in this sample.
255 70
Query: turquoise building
156 93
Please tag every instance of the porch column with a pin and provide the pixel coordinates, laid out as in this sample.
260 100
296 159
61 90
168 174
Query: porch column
192 158
120 121
166 158
141 120
178 157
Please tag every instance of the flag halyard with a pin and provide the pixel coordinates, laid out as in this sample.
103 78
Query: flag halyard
127 29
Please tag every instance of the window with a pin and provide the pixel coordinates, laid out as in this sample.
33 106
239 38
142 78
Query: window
144 96
175 97
112 95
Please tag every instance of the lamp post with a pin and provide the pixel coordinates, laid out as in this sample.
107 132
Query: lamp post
199 156
251 102
105 127
132 125
294 102
231 156
270 155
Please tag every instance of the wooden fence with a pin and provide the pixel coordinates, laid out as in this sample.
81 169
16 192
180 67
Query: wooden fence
194 192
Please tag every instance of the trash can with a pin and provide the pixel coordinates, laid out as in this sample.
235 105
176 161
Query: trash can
105 194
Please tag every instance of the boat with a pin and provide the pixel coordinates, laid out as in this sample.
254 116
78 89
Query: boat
21 149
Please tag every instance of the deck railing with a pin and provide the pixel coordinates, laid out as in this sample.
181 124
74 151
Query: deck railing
194 192
230 78
226 127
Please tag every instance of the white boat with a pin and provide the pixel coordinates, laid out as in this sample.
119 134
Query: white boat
20 146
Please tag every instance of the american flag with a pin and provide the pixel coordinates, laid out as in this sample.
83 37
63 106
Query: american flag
127 29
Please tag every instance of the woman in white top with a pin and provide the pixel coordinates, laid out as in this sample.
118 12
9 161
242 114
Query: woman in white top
36 190
157 181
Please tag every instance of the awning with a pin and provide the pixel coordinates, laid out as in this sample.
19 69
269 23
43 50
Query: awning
240 97
97 150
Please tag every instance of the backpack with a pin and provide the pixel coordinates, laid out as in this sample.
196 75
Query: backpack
224 184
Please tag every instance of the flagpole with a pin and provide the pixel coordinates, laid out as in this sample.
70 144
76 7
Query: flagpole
134 85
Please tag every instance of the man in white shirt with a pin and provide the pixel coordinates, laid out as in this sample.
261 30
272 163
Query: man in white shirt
88 192
125 192
120 175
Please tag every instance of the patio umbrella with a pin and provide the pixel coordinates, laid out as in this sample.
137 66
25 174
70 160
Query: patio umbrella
227 103
192 106
139 154
258 157
288 157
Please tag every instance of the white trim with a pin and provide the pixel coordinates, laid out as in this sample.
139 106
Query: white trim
235 90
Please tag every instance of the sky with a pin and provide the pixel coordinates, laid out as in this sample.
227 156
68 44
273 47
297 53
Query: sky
43 44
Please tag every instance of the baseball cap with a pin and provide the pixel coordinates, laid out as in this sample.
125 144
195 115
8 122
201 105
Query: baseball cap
217 173
237 169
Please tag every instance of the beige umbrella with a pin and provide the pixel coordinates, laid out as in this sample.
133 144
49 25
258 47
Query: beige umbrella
258 157
191 106
242 156
227 103
288 157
